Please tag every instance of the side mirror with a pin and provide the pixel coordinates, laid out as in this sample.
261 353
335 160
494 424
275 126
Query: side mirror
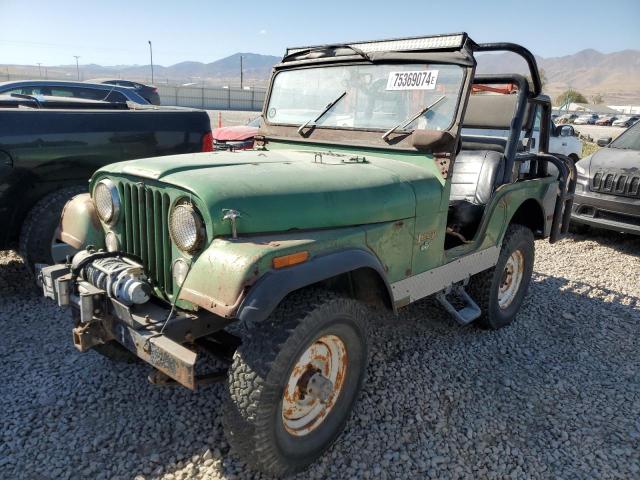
604 141
566 131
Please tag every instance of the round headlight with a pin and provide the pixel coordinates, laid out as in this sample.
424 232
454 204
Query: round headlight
106 200
186 227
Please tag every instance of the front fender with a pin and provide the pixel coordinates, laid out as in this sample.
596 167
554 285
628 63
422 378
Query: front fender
275 285
234 276
80 226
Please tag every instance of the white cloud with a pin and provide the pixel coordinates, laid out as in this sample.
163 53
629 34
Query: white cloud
262 32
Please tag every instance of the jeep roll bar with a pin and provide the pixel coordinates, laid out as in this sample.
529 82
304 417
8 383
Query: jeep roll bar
518 50
567 175
517 122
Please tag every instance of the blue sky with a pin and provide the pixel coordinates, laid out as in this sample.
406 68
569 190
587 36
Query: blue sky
116 31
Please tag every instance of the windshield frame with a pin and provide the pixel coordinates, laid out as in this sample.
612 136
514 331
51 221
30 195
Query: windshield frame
350 135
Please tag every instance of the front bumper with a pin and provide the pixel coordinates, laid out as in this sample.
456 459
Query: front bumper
167 345
610 212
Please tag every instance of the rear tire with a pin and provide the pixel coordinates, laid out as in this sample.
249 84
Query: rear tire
40 225
500 291
273 418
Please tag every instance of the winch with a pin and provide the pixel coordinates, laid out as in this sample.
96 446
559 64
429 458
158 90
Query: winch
120 277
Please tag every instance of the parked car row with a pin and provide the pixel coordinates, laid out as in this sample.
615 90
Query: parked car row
117 91
594 119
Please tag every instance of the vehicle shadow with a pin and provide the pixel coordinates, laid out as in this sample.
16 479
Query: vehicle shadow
553 394
621 242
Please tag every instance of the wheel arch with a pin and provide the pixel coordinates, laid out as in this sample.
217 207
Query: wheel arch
530 213
355 272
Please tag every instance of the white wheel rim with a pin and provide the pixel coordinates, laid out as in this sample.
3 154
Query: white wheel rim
511 279
314 385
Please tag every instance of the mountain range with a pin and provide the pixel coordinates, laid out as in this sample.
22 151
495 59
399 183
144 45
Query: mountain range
615 76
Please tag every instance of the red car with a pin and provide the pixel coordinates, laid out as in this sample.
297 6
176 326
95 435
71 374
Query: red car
606 120
239 137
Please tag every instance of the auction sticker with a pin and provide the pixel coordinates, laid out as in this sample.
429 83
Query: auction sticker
412 80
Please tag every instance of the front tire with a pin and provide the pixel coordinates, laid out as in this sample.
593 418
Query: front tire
38 232
294 381
500 291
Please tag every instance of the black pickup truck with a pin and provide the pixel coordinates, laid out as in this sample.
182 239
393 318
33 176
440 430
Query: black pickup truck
49 147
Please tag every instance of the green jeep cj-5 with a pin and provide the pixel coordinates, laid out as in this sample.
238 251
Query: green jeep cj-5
371 186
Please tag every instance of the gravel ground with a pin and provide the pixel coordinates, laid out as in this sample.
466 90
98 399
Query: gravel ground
556 395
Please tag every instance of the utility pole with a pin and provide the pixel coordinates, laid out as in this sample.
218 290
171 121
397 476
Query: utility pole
151 54
241 72
39 69
77 66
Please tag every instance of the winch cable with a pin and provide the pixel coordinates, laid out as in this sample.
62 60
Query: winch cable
171 312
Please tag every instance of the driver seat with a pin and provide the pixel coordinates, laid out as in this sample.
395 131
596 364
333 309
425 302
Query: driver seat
475 175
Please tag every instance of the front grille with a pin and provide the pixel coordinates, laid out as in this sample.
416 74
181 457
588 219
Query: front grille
145 212
614 183
618 217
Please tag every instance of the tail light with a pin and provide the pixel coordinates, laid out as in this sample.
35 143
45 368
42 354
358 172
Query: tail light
154 89
207 142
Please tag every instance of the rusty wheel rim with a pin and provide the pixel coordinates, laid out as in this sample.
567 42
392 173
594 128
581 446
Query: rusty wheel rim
511 279
314 385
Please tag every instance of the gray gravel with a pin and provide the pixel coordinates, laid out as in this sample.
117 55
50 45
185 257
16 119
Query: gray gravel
556 395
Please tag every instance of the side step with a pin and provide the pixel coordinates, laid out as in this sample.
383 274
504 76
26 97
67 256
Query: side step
466 314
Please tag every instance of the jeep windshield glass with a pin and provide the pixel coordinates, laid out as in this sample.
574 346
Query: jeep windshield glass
377 97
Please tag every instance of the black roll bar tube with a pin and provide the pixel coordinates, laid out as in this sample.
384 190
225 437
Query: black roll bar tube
518 50
515 129
568 174
564 200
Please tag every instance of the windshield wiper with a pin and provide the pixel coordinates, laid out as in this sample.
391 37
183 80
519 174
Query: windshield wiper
322 114
407 122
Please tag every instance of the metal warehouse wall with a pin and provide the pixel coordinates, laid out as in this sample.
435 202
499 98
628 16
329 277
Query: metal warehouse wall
212 98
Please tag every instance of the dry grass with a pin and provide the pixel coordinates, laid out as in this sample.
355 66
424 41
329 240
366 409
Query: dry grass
588 148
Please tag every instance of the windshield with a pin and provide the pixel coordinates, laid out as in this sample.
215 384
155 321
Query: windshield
629 140
377 97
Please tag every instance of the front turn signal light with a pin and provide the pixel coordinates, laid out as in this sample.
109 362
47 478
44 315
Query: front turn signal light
291 259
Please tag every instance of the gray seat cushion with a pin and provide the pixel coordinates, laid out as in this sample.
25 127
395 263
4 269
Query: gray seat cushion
475 175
